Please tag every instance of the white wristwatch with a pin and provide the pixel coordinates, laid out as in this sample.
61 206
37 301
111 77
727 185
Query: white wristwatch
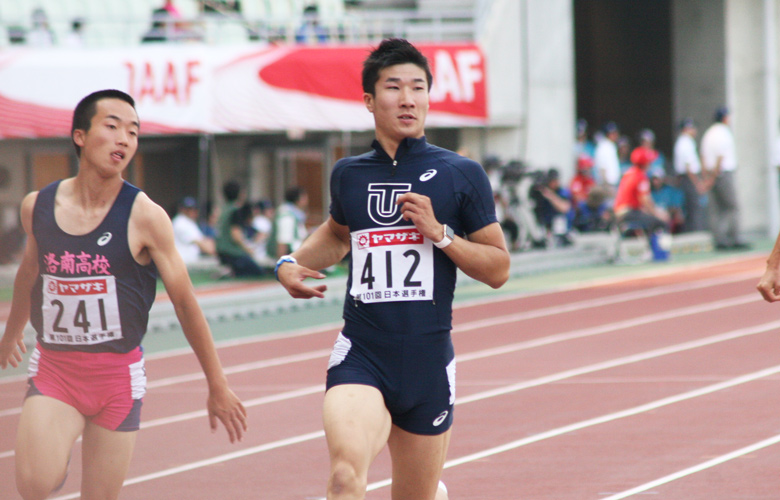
447 238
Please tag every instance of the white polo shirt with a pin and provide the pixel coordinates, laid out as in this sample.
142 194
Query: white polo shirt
685 156
718 141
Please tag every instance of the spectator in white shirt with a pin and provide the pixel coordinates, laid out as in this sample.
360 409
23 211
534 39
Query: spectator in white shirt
687 166
189 239
719 161
606 163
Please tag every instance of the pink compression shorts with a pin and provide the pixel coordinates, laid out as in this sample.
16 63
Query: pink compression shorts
107 388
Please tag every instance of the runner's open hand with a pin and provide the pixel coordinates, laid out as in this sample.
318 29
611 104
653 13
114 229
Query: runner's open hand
223 404
11 350
291 276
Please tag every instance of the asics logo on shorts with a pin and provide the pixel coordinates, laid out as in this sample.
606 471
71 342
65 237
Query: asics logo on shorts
441 418
428 175
104 239
381 201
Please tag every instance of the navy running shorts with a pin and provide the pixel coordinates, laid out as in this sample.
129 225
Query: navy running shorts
414 373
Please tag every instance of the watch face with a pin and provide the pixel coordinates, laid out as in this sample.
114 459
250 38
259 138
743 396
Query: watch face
449 232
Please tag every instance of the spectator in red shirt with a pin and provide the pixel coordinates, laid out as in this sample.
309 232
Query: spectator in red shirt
634 206
583 181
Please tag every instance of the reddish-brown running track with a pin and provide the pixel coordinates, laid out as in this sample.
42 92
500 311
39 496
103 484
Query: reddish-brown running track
663 385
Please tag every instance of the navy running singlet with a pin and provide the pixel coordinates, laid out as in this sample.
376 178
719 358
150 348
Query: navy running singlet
398 280
91 294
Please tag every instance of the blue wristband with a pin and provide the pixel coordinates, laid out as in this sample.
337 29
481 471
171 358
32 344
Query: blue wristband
282 260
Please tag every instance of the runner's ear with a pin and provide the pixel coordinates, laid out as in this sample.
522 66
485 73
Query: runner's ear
368 100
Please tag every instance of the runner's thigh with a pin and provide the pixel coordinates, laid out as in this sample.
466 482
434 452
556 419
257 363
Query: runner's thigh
417 463
356 422
47 430
106 458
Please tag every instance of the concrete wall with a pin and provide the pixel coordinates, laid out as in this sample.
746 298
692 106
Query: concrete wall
745 32
529 45
699 59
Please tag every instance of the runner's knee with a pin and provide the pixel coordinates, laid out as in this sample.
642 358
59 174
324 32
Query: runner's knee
32 486
345 480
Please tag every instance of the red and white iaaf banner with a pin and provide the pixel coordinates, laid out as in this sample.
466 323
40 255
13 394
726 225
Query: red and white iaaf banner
193 88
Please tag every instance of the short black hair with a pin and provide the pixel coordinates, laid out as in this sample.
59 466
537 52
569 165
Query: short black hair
392 51
231 190
721 113
293 194
87 108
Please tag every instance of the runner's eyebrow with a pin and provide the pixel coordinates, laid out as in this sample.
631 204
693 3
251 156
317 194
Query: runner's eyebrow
397 79
133 122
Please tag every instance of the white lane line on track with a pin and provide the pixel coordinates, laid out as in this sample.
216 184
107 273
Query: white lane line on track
536 313
516 387
697 468
474 325
626 360
244 367
703 391
503 350
638 294
214 460
477 325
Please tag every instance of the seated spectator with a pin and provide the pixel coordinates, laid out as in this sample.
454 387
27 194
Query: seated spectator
189 240
263 214
233 248
508 224
221 6
41 34
595 213
310 29
647 140
167 24
634 206
583 146
289 228
668 198
553 207
159 31
75 37
624 154
583 180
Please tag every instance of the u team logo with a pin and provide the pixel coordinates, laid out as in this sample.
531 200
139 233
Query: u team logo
382 198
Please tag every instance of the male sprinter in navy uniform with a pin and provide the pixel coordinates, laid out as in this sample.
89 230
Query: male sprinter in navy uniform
411 214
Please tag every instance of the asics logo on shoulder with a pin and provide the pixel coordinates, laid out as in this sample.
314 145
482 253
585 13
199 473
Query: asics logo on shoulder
104 239
428 175
441 418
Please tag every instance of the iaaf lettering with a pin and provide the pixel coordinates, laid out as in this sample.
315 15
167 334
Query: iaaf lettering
382 198
456 78
169 79
83 263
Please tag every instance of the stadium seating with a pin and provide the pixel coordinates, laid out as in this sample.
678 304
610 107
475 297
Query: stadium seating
123 22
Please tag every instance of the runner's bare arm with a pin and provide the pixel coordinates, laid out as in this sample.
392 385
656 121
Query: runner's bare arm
151 238
12 344
482 256
325 247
